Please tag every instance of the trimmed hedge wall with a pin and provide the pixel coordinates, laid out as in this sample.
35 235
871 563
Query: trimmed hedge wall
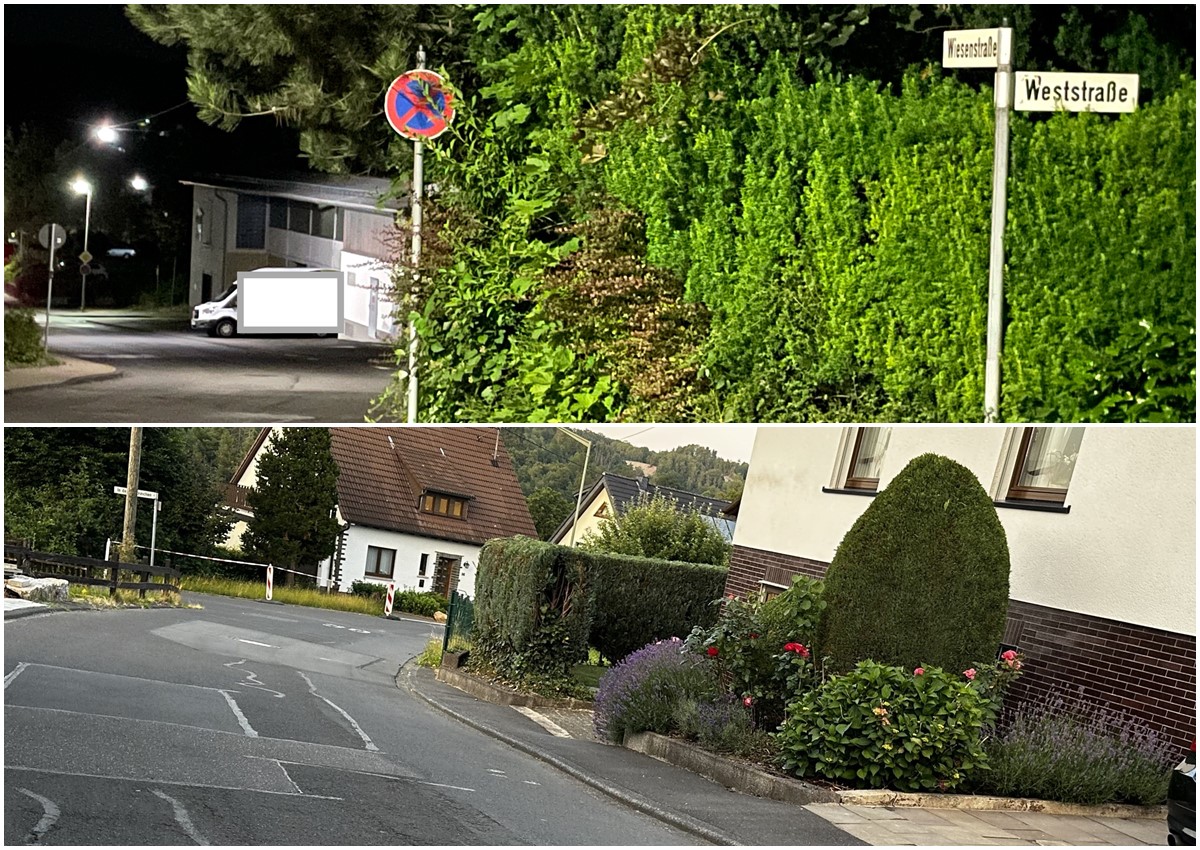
531 608
637 601
539 606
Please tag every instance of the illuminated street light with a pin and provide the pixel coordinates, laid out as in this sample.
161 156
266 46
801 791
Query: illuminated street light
83 187
106 133
139 183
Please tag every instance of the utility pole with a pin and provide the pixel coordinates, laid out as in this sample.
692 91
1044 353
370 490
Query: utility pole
127 551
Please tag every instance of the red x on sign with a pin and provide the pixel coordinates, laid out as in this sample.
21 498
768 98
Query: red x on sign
419 105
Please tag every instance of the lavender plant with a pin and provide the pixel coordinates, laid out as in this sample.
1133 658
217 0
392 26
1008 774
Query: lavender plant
643 692
1074 752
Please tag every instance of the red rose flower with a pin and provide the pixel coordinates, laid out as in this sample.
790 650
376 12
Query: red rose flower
970 674
713 652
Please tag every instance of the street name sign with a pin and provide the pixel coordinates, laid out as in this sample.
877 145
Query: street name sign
971 48
142 494
1050 91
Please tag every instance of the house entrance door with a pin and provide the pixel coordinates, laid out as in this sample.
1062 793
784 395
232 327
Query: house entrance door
445 574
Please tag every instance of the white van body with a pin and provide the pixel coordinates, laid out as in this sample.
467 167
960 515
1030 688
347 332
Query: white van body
274 300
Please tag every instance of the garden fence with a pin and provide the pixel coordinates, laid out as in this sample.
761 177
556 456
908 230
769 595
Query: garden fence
459 620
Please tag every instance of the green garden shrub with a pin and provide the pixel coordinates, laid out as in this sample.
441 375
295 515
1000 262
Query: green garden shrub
922 576
531 610
637 601
880 726
22 338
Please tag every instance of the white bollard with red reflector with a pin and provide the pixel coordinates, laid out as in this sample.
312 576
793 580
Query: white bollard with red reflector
391 596
270 581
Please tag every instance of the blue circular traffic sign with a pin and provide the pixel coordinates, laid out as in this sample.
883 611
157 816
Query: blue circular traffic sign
419 105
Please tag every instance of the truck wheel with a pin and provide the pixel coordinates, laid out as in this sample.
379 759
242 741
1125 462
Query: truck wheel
225 328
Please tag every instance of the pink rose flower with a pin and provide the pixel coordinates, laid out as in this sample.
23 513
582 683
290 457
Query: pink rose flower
970 674
747 701
1009 655
798 648
920 671
713 652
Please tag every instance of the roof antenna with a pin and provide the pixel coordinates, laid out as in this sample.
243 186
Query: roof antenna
391 442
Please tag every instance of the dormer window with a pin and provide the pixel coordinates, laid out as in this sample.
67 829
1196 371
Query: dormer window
444 504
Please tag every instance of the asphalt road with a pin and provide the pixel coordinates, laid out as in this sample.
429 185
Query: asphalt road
172 374
251 723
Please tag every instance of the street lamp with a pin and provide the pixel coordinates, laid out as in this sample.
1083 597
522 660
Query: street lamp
582 478
106 133
139 184
82 187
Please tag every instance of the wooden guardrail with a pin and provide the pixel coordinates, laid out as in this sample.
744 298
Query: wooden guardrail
93 571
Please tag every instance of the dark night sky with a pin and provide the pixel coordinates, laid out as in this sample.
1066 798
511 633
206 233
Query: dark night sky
67 67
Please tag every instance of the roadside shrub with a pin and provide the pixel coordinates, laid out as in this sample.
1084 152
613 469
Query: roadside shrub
22 338
1077 754
921 577
724 725
421 603
531 611
763 650
644 691
369 589
879 726
636 601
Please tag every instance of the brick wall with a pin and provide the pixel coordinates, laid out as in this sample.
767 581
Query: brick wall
1149 673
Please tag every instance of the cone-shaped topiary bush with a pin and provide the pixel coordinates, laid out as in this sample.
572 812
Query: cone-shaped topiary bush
922 577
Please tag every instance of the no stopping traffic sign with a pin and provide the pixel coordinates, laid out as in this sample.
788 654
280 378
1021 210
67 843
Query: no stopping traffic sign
419 105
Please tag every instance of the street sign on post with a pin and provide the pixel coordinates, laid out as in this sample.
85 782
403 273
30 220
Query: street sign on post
85 256
142 494
1050 91
419 106
971 48
84 269
52 232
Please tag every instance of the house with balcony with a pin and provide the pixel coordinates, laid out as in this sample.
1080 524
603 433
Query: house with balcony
1101 528
415 504
313 221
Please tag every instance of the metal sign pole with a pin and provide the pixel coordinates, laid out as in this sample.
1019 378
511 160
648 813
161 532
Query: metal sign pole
154 529
995 318
418 192
87 222
50 292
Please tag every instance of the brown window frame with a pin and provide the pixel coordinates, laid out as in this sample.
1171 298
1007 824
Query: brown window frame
853 483
1020 493
368 568
443 504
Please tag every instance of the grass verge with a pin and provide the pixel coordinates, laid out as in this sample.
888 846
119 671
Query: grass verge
309 597
100 597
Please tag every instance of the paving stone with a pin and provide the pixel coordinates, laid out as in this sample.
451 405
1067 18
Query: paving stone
837 813
878 813
1144 830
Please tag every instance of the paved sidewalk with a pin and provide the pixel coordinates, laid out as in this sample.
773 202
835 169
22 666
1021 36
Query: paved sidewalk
70 370
21 607
563 737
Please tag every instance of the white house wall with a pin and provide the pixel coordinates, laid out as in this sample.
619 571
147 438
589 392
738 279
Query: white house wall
1125 551
409 549
588 520
357 305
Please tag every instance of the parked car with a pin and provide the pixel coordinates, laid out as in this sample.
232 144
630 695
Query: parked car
1181 801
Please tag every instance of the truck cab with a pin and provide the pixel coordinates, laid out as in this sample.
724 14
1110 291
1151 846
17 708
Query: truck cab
219 316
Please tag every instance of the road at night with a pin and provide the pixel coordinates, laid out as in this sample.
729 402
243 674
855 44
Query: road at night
171 374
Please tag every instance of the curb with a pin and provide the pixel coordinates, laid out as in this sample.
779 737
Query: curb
742 778
480 689
112 372
621 795
983 803
20 613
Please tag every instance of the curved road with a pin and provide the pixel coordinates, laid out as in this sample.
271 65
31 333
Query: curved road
250 723
170 374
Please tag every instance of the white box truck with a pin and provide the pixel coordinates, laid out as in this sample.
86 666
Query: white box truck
276 301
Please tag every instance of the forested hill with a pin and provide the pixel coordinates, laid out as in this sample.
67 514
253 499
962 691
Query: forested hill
547 458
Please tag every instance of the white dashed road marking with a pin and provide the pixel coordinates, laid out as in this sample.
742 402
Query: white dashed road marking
8 680
241 718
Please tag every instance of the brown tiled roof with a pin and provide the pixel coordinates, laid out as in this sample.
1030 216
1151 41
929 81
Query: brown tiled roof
384 471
